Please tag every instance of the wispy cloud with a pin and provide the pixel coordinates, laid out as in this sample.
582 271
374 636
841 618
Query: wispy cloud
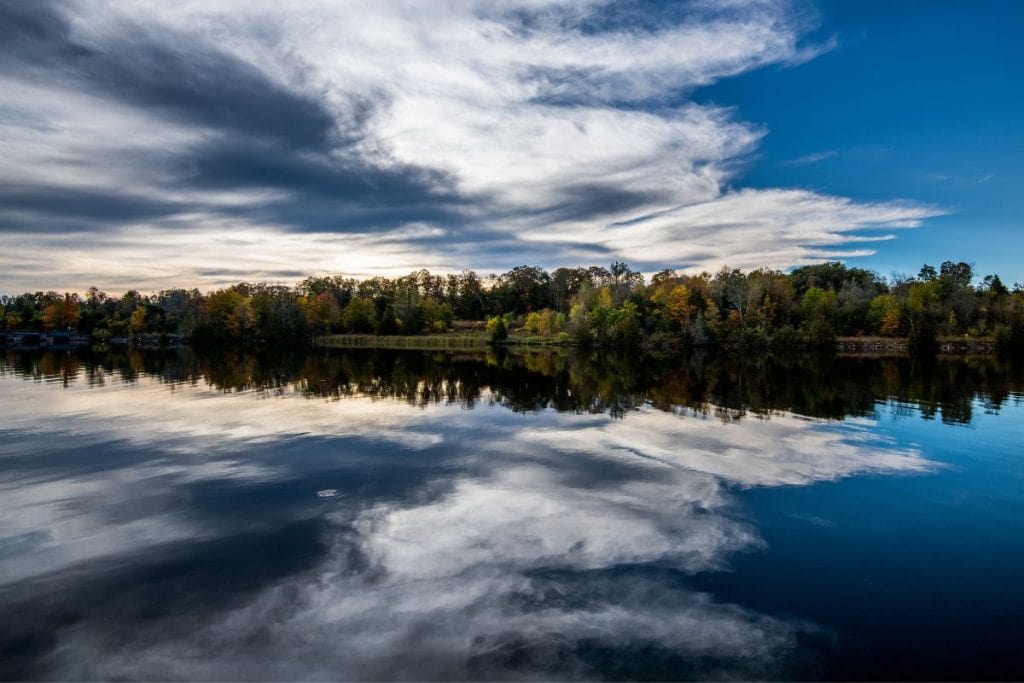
958 181
808 159
374 137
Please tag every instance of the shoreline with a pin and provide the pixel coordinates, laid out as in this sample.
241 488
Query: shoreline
861 346
462 341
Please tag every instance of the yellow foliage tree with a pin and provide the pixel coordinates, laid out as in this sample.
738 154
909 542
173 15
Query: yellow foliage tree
678 306
138 320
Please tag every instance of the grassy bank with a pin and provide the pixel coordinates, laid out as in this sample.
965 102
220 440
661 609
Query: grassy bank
427 342
435 342
898 346
882 346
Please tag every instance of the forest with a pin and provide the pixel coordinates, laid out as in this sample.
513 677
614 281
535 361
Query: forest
810 306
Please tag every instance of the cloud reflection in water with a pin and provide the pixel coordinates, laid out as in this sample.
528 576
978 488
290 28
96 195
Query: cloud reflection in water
185 533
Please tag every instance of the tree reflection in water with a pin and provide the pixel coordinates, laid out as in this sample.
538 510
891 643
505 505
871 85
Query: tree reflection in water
728 387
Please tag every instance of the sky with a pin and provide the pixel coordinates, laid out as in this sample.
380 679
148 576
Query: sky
147 145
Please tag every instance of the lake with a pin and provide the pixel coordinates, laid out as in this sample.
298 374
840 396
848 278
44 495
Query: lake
406 515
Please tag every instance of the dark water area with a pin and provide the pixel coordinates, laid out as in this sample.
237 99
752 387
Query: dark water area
432 516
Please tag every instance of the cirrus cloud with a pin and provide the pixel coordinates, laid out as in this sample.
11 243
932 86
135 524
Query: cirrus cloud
369 137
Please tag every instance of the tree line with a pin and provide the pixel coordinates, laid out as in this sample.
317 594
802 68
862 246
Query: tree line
594 306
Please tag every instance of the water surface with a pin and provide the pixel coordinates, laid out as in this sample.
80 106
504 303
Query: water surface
391 515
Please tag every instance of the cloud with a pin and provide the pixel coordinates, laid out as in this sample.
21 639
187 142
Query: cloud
809 159
754 228
154 132
958 182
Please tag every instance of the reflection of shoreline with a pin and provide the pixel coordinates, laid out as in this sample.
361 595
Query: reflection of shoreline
565 379
870 347
897 346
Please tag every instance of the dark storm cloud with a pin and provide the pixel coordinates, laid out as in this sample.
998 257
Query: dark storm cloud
588 201
243 274
35 34
43 208
174 74
325 193
636 16
256 135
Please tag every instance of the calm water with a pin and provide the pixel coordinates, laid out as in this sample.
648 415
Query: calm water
382 515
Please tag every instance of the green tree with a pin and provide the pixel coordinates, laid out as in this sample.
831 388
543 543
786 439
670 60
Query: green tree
923 313
818 308
885 315
359 316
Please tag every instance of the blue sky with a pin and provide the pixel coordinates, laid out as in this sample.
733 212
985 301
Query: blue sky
149 144
920 100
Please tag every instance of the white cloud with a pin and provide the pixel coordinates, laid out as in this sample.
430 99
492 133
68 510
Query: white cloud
808 159
753 228
548 130
784 450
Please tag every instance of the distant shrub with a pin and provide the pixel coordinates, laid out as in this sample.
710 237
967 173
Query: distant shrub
497 328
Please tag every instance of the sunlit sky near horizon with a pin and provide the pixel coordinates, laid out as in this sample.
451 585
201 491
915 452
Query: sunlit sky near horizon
147 145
